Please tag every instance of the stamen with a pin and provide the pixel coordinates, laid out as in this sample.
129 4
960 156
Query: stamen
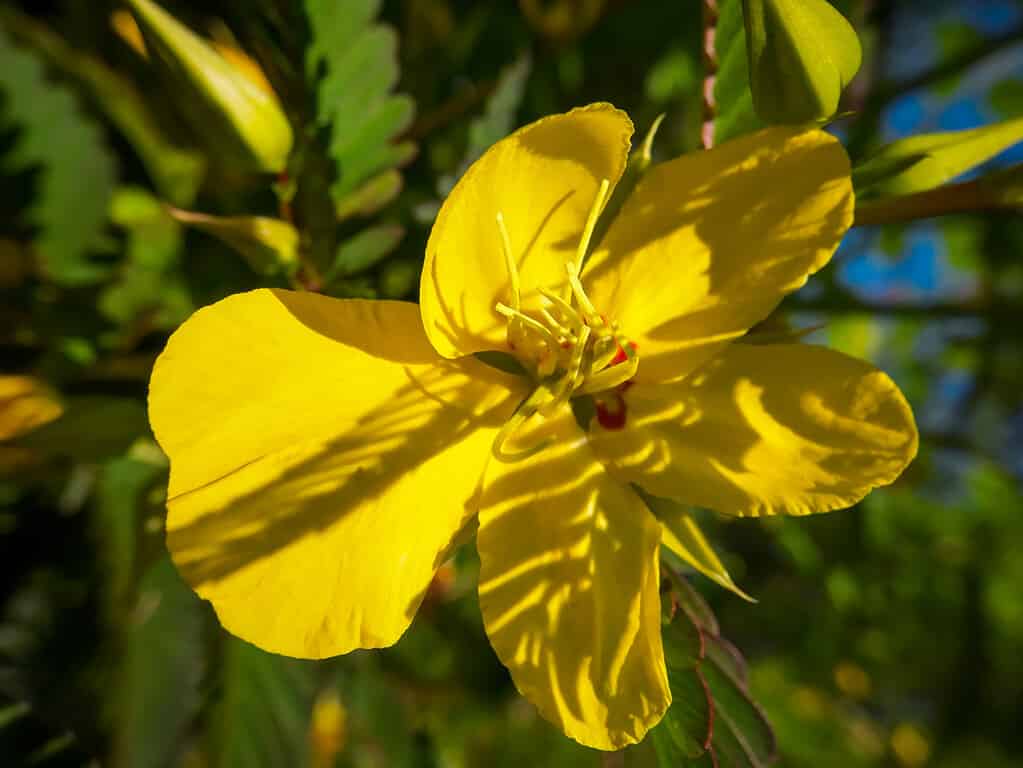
526 410
591 223
589 312
568 383
609 378
564 307
509 262
563 330
529 322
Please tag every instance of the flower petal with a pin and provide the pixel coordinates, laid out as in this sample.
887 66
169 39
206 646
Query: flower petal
708 244
763 430
322 460
543 179
569 590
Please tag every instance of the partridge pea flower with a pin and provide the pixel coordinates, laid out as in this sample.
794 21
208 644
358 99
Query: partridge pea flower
327 454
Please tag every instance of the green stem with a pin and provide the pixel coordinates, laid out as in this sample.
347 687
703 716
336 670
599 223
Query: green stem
984 194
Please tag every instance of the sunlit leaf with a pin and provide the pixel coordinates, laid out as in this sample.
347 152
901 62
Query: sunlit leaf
356 64
268 245
802 55
682 537
243 124
922 162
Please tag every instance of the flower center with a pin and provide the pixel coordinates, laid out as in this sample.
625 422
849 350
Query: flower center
570 348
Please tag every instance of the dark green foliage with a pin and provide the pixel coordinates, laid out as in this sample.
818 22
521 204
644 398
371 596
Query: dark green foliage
75 170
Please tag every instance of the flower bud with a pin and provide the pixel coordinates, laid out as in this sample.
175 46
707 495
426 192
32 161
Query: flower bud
801 54
270 246
241 120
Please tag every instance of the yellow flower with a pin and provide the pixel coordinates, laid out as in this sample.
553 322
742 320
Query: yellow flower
326 454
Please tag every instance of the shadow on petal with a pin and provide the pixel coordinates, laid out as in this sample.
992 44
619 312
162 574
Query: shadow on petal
710 243
569 590
323 459
760 430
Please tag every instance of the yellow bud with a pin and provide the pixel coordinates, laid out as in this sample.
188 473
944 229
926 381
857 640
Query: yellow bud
802 54
327 728
910 746
270 246
25 404
242 121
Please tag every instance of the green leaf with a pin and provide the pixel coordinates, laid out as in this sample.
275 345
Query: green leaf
802 55
1006 96
262 718
919 163
149 291
365 250
734 101
712 720
120 491
399 278
176 172
371 196
497 120
159 690
76 169
92 428
955 39
687 728
742 735
359 65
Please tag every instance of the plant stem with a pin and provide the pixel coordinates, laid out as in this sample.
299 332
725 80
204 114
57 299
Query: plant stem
710 66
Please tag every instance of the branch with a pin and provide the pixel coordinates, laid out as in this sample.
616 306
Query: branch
848 305
999 191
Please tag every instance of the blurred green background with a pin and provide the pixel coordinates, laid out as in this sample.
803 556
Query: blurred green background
890 634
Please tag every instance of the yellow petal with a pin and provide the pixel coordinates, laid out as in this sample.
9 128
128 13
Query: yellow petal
569 589
708 244
543 179
322 460
682 536
763 430
25 403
